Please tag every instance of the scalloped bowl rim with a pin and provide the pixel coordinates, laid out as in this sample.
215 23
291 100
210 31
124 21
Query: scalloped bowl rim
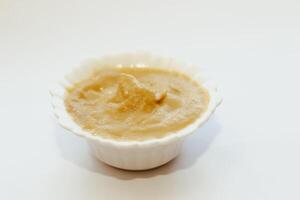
65 120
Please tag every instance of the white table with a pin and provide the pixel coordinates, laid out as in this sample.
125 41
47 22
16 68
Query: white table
248 150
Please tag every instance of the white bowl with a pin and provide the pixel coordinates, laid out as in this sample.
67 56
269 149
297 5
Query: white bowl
133 155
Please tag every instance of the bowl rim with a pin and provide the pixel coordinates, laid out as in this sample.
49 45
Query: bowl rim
65 120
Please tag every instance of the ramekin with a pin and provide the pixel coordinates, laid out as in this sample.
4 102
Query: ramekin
133 155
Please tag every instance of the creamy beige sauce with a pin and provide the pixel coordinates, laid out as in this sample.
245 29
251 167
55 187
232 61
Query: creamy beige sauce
131 103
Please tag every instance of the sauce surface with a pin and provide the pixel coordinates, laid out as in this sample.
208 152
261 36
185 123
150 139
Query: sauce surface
131 103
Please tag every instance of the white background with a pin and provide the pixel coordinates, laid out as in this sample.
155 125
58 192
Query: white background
248 150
